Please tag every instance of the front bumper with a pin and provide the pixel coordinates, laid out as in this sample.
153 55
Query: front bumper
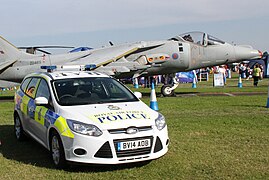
103 149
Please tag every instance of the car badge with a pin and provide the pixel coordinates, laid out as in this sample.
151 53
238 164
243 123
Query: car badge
112 107
132 130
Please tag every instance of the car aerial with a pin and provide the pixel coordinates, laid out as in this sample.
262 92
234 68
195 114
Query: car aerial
88 117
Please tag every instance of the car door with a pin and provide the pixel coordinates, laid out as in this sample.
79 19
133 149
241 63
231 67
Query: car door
40 121
28 105
22 104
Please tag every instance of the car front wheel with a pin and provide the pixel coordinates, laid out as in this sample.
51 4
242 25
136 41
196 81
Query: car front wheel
57 150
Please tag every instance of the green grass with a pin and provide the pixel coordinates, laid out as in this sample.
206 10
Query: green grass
211 137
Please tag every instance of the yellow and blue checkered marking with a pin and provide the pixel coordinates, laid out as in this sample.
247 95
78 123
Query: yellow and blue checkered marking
41 114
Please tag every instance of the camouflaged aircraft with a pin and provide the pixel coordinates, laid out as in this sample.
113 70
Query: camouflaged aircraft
184 52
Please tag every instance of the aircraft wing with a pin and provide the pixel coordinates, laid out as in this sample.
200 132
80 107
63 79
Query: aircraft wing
5 65
111 59
4 84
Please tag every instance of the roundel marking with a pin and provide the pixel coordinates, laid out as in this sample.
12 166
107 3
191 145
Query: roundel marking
175 56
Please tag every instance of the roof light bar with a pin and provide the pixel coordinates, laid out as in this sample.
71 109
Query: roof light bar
49 68
88 67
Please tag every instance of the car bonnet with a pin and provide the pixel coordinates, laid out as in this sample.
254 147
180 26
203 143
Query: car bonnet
111 116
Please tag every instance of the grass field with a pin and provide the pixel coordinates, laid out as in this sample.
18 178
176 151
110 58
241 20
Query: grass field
212 137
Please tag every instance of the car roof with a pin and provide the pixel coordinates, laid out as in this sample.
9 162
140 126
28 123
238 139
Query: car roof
68 74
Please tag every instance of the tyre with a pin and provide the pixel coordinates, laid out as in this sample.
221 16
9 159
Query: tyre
57 150
166 90
18 129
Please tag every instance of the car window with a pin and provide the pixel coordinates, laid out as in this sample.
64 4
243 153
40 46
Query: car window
31 88
43 90
25 83
115 90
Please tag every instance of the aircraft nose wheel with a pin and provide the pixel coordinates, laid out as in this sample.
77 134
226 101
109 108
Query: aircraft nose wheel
167 90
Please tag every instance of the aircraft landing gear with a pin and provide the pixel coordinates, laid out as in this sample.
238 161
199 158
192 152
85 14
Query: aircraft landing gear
167 90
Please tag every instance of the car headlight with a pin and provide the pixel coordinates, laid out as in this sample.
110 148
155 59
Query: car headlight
160 122
85 129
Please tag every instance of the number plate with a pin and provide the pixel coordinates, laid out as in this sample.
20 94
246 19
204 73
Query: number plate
128 145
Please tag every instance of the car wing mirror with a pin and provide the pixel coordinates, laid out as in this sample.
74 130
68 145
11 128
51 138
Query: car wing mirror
138 95
41 101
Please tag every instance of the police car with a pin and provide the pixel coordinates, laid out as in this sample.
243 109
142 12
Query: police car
88 117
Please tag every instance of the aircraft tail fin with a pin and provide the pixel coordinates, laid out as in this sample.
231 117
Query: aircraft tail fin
10 53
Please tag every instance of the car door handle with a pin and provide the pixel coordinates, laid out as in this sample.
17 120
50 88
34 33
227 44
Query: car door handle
31 109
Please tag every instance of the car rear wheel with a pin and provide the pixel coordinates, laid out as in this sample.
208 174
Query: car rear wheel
57 150
18 129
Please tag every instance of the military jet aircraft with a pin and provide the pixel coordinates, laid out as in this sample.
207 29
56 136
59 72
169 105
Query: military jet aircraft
184 52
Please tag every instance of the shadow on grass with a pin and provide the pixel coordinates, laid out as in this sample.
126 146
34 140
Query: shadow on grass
103 168
6 98
30 152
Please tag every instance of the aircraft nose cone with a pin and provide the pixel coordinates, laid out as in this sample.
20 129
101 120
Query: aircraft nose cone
246 53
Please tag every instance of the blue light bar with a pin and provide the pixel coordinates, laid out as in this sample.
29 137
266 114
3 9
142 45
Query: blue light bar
49 67
90 67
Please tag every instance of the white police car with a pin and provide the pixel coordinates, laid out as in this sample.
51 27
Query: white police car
88 117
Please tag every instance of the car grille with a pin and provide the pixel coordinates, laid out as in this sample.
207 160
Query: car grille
124 130
133 152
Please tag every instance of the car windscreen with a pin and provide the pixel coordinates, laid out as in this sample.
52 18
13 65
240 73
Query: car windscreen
91 90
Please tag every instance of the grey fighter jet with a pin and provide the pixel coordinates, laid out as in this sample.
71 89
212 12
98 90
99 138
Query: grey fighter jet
184 52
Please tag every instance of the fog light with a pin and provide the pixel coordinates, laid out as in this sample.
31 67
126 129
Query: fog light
80 152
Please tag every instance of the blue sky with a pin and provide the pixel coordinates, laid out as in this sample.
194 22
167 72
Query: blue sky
95 22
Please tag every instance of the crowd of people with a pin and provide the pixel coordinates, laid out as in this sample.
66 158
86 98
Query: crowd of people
243 69
246 72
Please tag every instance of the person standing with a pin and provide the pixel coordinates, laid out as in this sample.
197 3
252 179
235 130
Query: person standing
242 71
247 71
256 74
223 71
261 74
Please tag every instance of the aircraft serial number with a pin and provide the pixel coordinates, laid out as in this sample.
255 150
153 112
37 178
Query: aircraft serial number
35 62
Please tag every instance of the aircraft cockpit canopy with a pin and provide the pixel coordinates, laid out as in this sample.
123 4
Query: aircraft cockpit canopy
199 38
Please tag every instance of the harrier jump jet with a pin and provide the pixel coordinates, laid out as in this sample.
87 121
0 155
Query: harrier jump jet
184 52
